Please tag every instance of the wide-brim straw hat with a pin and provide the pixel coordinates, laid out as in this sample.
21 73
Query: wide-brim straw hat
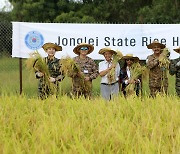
130 56
77 48
103 50
156 43
51 45
177 50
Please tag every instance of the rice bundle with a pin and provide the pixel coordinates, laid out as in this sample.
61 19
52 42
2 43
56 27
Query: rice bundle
136 71
70 68
164 65
164 59
37 63
111 74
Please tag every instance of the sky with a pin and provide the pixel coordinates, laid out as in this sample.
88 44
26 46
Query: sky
6 4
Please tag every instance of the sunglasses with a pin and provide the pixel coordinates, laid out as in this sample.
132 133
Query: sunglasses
129 60
84 48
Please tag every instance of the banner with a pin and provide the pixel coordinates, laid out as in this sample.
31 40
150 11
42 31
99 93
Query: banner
127 38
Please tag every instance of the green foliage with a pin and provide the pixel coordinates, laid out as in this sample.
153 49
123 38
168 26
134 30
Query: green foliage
73 17
106 11
162 11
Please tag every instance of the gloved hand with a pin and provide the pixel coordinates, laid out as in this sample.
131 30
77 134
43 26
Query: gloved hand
39 74
178 64
51 79
163 68
168 54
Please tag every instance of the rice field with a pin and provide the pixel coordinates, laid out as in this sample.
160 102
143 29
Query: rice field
66 125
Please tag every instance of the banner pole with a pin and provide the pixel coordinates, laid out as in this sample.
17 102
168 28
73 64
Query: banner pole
20 75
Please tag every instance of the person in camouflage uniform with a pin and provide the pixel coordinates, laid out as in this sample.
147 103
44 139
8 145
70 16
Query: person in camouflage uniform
82 81
54 68
158 81
175 69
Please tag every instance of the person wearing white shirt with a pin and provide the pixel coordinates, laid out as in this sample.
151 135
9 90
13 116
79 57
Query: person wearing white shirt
108 87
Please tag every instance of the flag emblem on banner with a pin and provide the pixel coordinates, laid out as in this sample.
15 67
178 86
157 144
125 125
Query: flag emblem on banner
34 40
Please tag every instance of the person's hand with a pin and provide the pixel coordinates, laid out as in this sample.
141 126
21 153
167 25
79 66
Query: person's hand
136 81
112 66
178 64
80 74
168 54
40 74
51 79
87 78
131 81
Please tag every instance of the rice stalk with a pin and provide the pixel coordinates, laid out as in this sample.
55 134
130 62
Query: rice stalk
164 59
71 68
37 63
137 71
164 64
111 74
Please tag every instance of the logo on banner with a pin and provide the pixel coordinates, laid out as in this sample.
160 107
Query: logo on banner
34 40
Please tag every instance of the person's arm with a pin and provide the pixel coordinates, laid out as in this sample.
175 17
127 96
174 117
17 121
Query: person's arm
152 62
95 73
106 71
173 67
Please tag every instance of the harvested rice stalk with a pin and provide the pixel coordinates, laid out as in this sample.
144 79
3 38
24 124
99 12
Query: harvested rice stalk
164 59
69 66
136 71
164 64
37 63
111 74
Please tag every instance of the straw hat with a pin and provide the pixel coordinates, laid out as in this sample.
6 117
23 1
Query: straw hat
156 43
51 45
130 56
77 48
177 50
103 50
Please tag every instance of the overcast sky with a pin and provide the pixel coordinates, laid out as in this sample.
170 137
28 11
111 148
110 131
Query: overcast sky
6 4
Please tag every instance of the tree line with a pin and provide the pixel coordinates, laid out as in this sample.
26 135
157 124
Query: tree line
101 11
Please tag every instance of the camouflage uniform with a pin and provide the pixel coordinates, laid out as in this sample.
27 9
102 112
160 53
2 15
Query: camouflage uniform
45 90
176 70
158 81
89 69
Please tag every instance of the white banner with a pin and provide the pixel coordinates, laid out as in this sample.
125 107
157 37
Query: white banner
128 38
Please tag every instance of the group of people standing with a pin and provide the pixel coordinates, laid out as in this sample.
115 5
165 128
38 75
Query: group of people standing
121 77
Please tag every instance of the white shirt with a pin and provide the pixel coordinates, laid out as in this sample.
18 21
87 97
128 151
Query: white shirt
103 66
128 74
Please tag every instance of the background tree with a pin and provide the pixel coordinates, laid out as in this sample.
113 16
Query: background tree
98 11
161 11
